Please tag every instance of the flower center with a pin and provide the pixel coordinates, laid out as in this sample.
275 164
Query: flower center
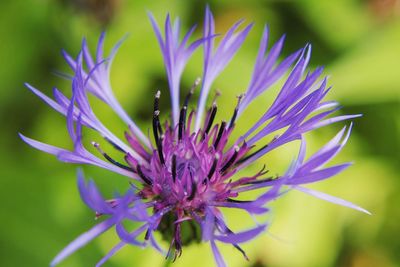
187 170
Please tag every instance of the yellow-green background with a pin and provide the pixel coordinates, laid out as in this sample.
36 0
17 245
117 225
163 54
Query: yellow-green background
358 42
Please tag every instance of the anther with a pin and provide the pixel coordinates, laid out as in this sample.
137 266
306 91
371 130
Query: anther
230 161
111 160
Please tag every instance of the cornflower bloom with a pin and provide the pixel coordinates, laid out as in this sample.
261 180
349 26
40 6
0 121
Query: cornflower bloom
188 172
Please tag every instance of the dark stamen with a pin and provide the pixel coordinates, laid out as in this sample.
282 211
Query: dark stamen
220 132
173 168
157 130
160 150
230 161
235 112
251 155
144 177
156 119
191 91
261 181
182 115
263 171
236 245
242 251
117 147
213 112
233 118
156 122
237 201
157 138
213 167
111 160
157 100
193 193
147 235
182 120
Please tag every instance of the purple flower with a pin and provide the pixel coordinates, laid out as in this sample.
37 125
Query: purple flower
189 170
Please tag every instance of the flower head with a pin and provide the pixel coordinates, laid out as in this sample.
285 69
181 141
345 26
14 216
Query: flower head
188 171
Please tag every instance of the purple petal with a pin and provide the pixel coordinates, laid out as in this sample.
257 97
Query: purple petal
334 120
46 99
208 225
176 56
71 62
247 206
91 196
82 240
214 63
217 255
330 198
42 146
328 151
130 237
317 175
157 246
86 54
110 253
100 47
241 237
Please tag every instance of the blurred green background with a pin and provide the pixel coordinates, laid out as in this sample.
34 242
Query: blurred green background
357 40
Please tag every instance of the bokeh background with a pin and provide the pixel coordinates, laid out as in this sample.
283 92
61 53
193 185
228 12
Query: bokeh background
357 40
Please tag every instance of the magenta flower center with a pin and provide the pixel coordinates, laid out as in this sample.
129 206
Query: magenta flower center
188 170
